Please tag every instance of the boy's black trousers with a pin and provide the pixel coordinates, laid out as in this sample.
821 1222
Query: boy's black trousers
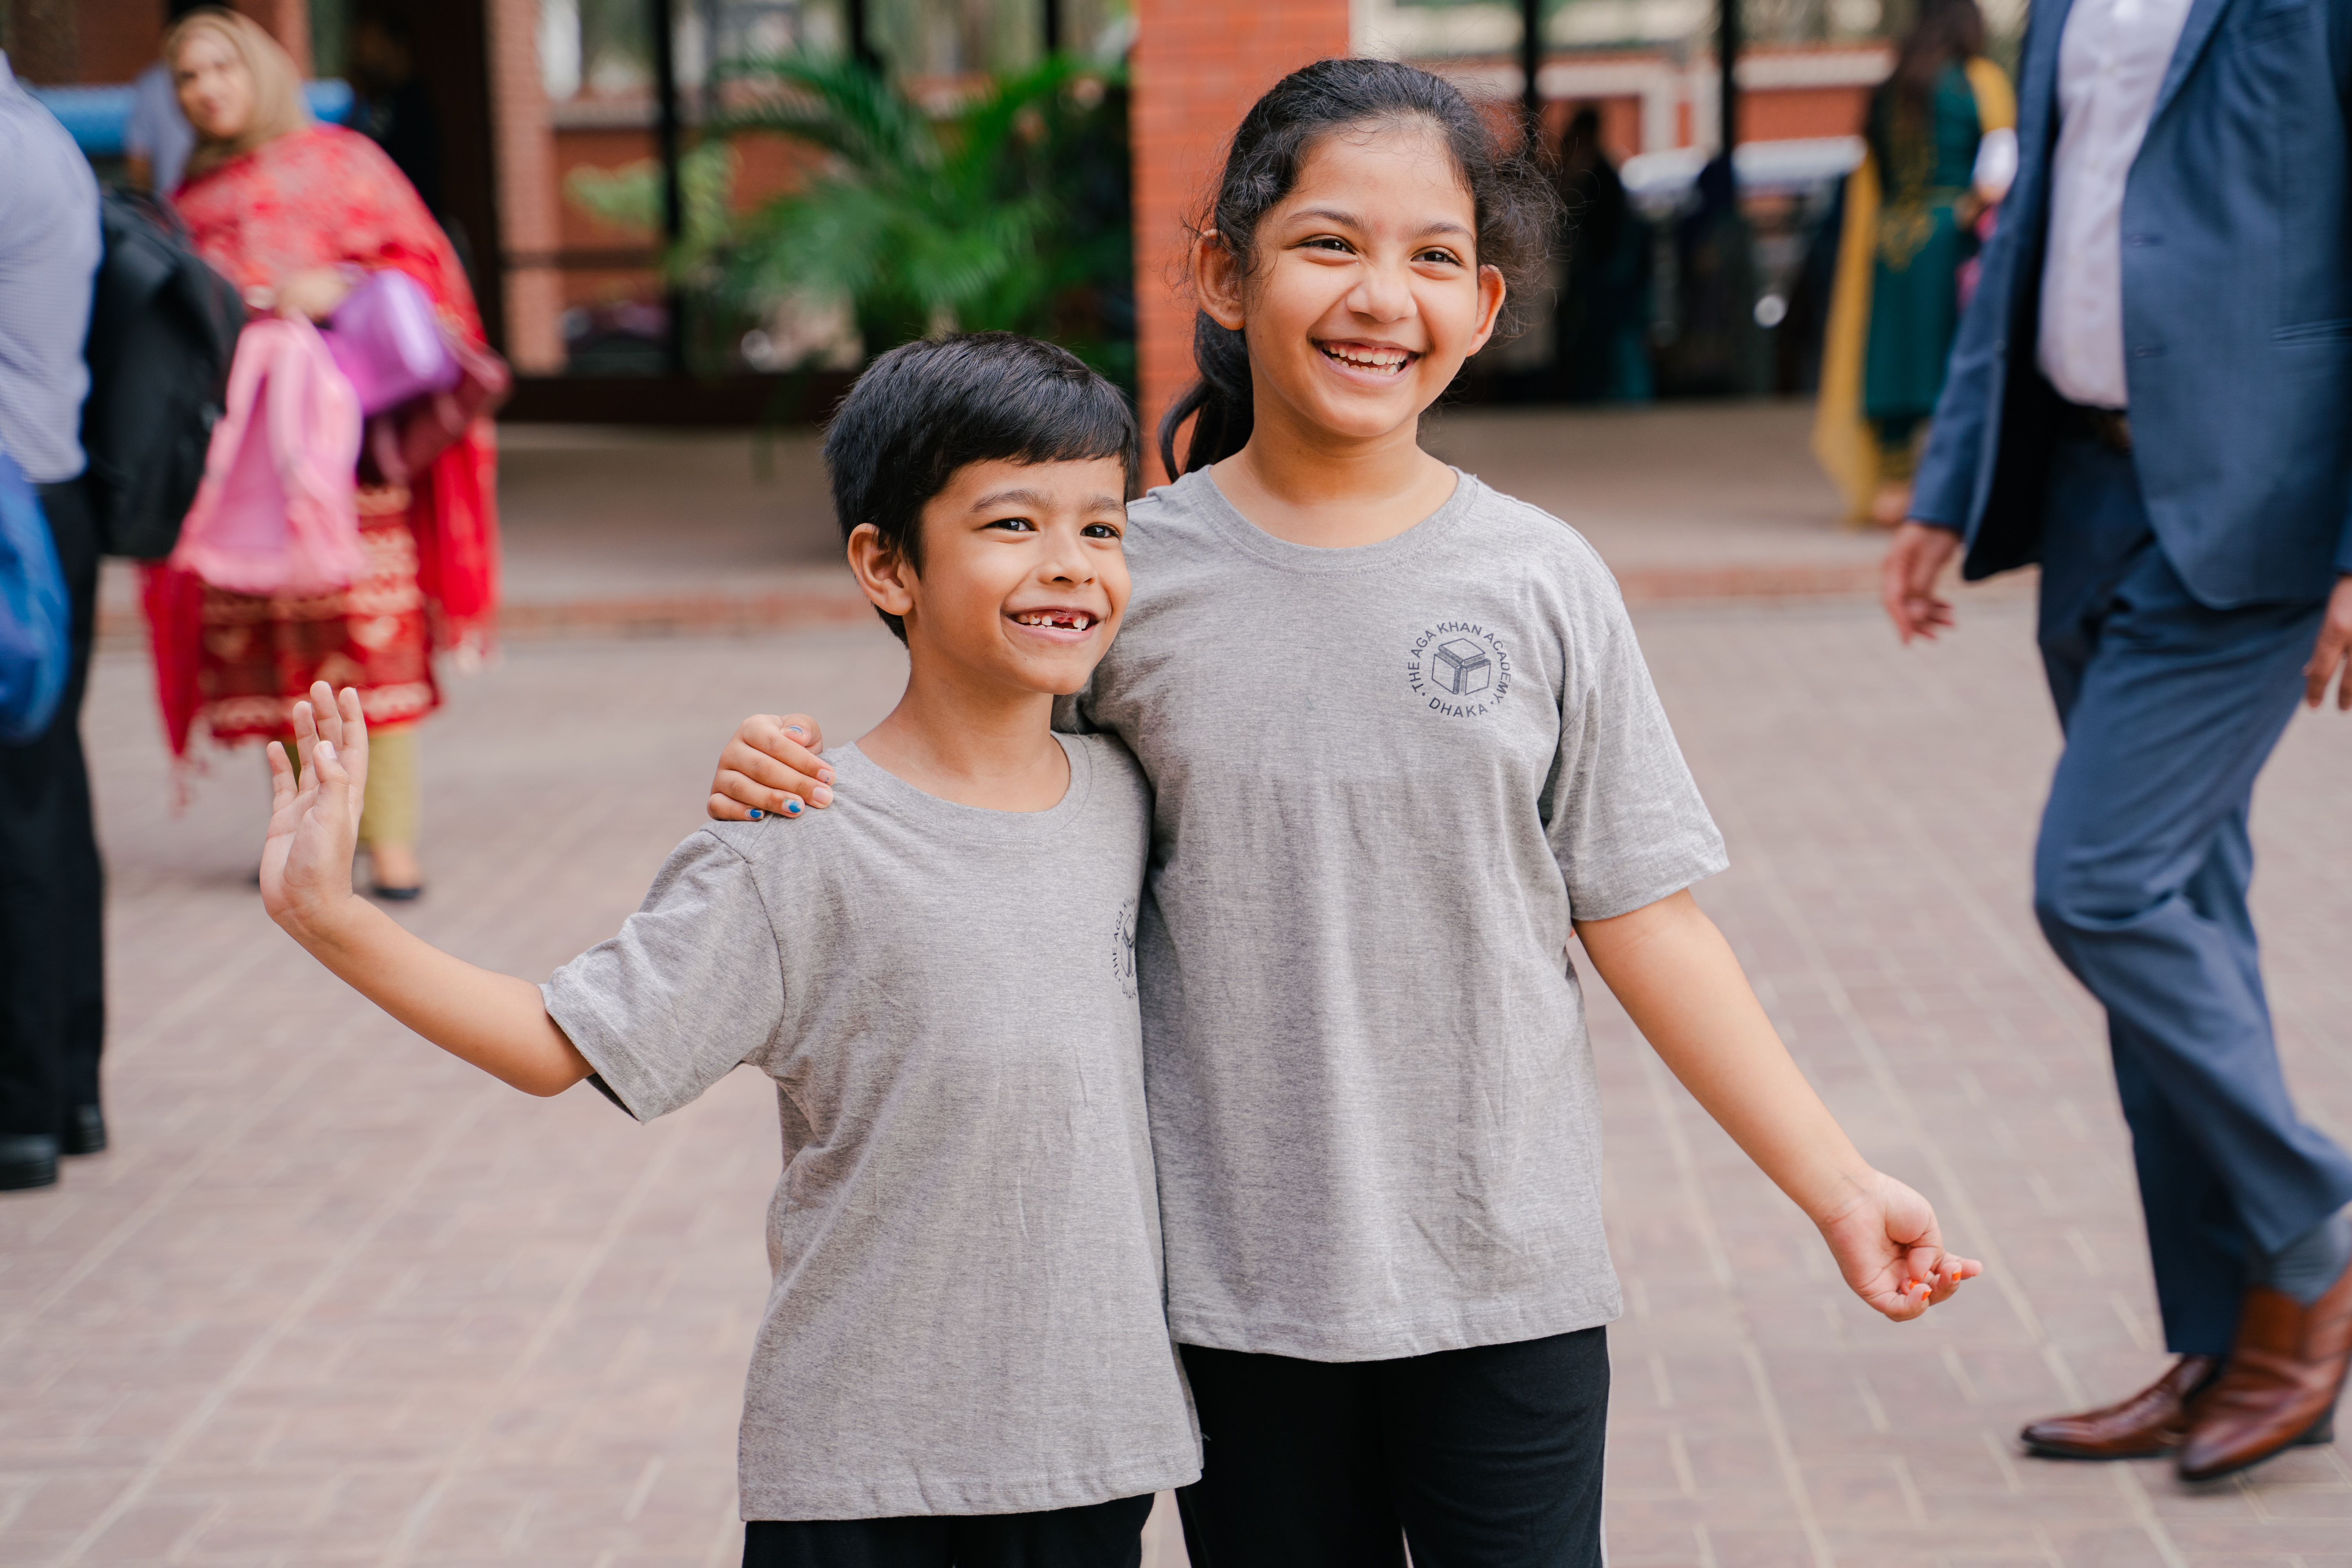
1485 1458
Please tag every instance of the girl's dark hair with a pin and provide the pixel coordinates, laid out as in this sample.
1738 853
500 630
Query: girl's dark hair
1515 204
1947 33
929 407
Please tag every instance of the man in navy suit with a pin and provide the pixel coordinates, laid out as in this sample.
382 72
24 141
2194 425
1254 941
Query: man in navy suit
2151 396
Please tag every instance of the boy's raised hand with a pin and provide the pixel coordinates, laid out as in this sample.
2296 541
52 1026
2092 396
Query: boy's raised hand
1887 1246
771 766
306 862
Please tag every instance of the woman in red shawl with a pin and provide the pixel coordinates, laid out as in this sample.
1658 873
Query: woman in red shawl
294 213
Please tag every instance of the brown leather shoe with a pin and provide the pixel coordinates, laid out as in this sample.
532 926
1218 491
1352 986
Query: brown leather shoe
2279 1388
2151 1423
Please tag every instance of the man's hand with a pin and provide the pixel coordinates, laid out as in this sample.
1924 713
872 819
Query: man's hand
2332 654
771 766
1886 1245
1906 587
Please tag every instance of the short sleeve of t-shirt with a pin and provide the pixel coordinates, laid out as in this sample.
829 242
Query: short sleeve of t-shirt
1621 811
688 990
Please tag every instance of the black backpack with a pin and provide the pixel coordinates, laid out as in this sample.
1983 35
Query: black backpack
162 330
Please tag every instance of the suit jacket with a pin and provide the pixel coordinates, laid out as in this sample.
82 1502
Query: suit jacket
2237 313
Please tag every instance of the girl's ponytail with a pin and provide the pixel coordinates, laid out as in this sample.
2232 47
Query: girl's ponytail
1221 399
1516 204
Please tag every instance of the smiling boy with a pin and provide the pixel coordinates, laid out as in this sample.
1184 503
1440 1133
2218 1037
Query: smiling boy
964 1358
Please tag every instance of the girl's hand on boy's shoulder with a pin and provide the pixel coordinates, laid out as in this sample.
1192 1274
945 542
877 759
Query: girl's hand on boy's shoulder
1887 1246
771 767
306 861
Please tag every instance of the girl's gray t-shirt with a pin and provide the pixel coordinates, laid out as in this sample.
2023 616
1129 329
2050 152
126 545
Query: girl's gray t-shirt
967 1309
1386 779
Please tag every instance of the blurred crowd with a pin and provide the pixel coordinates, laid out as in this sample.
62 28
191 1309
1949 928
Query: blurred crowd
260 373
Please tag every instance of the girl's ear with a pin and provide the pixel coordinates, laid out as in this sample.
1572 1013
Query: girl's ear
1491 290
883 574
1217 280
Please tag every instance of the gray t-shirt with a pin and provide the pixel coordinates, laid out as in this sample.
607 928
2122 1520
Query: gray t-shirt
967 1315
1386 778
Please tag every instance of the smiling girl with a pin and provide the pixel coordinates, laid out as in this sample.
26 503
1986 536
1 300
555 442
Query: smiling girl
1404 746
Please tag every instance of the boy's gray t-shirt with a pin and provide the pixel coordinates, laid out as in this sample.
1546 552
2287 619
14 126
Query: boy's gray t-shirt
967 1314
1386 779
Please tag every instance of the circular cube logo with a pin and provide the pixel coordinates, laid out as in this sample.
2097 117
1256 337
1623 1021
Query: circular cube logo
1459 668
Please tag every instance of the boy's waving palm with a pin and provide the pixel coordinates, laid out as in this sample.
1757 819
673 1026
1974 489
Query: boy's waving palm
306 861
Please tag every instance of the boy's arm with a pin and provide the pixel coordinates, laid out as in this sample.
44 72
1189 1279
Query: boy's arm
495 1021
1684 989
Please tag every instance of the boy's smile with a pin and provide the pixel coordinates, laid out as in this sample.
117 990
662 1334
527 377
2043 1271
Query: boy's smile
1058 625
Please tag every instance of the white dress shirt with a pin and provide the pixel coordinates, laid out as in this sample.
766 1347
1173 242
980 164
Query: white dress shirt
2110 60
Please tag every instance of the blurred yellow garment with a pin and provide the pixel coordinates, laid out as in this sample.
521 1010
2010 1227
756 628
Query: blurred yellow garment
1848 449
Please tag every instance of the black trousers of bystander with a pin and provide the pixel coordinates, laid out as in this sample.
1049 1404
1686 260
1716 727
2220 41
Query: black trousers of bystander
52 885
1484 1457
1102 1536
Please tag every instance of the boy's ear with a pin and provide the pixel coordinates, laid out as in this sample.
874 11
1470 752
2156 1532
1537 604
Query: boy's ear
883 572
1216 279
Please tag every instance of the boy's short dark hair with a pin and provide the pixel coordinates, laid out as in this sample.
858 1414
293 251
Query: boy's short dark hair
926 409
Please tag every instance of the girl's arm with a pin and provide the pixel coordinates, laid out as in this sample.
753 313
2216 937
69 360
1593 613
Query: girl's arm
1685 991
770 767
495 1021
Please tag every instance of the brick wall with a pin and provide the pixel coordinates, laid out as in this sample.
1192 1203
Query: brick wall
1198 65
529 221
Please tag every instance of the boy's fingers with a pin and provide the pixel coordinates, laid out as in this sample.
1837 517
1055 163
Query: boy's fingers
281 776
333 777
306 734
324 712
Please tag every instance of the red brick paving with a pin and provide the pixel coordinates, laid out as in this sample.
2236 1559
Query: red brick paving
336 1299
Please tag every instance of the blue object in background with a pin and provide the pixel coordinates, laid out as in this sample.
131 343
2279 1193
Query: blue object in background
97 116
36 623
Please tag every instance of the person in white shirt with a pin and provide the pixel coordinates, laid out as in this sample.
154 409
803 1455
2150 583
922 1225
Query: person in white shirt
2148 397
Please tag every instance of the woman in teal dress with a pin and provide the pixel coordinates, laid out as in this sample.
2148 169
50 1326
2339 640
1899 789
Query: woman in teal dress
1911 211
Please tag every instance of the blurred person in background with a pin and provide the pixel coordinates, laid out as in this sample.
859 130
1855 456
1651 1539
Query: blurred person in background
158 139
295 214
52 983
1941 149
2150 396
1601 327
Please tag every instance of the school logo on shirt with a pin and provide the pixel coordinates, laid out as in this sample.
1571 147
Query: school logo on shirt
1459 668
1122 948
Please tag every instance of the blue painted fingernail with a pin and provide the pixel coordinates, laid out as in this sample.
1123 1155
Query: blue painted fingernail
792 808
794 730
755 814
